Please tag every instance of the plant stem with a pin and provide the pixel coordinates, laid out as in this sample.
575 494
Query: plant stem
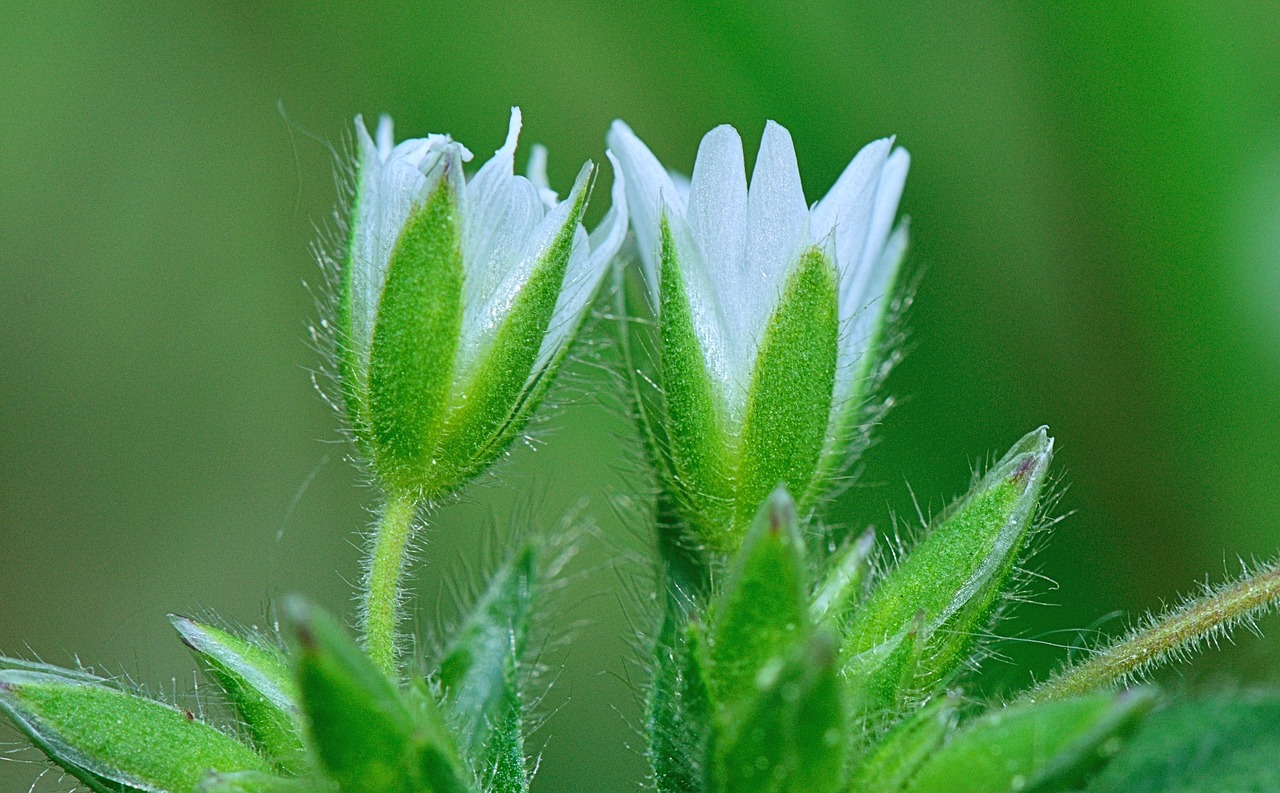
382 585
1172 635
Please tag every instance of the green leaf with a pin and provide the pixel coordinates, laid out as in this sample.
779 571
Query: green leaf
789 401
698 480
493 402
1044 747
955 577
259 685
794 736
1228 742
368 738
906 747
679 710
113 740
258 782
841 586
415 339
762 612
478 673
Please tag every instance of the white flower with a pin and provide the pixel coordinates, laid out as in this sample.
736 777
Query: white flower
785 303
738 244
459 298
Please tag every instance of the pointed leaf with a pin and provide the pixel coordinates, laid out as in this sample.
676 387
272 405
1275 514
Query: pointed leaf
259 685
841 587
906 747
113 740
794 734
789 402
1227 742
479 673
1044 747
762 613
415 339
956 576
680 717
369 739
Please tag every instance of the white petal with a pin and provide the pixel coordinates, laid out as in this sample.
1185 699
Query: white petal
536 172
649 187
482 318
840 219
856 335
717 213
777 227
488 200
606 239
888 194
386 137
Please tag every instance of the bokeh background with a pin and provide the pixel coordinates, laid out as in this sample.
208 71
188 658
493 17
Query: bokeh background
1095 196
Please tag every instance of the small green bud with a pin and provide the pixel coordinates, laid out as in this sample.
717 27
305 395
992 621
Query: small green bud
367 736
906 747
681 721
841 587
1045 746
259 686
794 735
762 613
946 590
457 303
767 314
112 740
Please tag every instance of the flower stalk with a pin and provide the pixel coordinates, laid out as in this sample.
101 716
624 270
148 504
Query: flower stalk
382 584
1169 637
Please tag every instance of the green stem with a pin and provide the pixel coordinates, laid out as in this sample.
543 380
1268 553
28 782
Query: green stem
1171 636
382 586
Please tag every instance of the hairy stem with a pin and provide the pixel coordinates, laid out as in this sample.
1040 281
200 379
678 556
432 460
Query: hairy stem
382 586
1171 635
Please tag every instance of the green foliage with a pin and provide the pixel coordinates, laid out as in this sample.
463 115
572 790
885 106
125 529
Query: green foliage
1227 742
1044 747
112 740
259 685
480 673
368 736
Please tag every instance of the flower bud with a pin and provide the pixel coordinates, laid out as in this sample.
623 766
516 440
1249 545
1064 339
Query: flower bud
768 315
458 301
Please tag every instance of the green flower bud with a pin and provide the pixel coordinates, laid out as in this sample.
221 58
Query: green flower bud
768 315
458 301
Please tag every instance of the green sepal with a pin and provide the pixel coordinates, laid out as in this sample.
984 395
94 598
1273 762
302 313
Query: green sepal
415 341
680 717
1042 747
888 766
367 736
794 735
840 589
789 400
698 479
847 434
956 576
496 398
20 665
479 673
259 685
762 613
112 740
259 782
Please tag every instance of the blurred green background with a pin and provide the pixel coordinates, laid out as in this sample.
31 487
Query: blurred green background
1095 198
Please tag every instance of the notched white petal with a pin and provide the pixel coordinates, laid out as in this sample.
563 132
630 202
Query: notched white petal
536 172
717 213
